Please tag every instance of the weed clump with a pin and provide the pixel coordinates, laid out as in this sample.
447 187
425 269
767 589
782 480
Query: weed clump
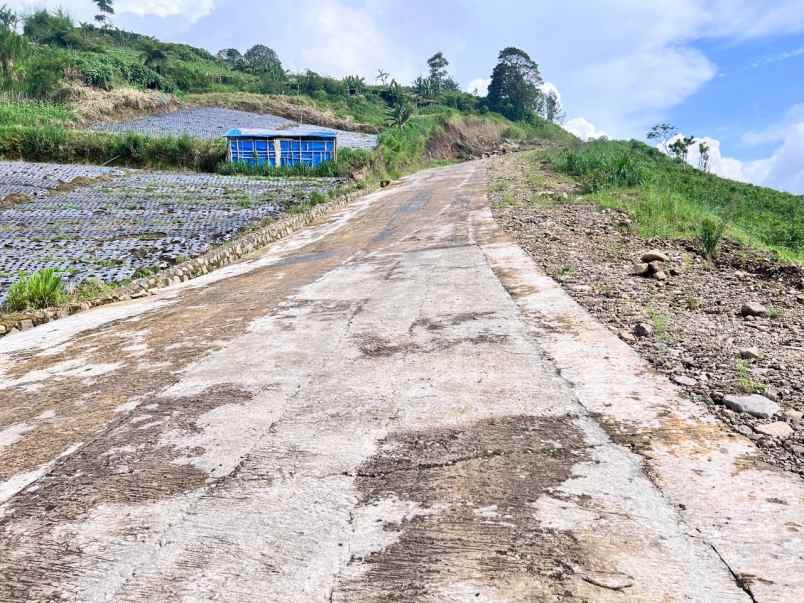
710 235
41 289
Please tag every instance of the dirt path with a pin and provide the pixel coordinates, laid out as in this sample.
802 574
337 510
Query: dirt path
394 404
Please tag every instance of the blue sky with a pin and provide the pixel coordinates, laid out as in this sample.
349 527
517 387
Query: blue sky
727 70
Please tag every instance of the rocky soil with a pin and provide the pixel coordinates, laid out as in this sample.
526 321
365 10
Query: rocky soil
729 333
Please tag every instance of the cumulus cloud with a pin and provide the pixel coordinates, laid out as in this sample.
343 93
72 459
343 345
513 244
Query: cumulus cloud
341 40
189 9
84 10
583 129
479 86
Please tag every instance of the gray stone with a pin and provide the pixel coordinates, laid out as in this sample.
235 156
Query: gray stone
640 269
753 404
684 380
749 354
660 276
753 309
654 256
778 429
793 416
644 329
25 324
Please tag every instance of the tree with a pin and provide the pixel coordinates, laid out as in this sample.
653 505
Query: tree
262 60
46 28
424 87
354 84
231 56
382 77
155 54
552 109
13 49
703 156
8 19
514 88
105 11
679 148
662 132
438 70
399 114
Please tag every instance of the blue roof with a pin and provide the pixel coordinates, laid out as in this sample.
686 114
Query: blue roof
290 133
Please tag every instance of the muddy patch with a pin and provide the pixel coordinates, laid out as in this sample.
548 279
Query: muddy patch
479 482
375 346
128 464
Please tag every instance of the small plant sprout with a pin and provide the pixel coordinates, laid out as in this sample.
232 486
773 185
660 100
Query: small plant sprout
659 320
747 383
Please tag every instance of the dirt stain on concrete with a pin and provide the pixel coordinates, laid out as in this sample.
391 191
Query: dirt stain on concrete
481 480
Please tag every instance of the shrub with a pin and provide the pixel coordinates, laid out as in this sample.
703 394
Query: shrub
710 234
43 74
42 289
48 28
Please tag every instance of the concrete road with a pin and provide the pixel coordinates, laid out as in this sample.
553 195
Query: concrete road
392 405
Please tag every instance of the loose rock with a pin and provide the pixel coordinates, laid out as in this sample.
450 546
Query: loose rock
754 404
644 329
778 429
753 309
654 256
750 354
683 380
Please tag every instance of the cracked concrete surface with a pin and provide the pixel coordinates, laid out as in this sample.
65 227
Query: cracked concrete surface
393 404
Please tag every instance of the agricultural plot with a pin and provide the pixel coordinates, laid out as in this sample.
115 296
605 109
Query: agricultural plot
212 122
34 179
116 228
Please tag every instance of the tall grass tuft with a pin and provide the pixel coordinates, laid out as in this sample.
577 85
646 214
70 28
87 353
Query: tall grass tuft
629 173
41 289
710 235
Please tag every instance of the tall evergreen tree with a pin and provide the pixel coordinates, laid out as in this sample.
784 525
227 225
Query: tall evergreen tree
514 88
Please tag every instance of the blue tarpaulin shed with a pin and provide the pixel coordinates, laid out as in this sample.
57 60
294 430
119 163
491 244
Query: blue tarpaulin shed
281 147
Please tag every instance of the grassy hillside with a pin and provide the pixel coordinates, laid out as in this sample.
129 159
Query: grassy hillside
669 198
81 74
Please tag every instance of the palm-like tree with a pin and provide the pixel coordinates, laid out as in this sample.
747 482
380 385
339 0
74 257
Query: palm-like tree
399 114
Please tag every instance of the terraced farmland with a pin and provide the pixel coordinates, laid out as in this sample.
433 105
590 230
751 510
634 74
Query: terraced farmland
131 219
213 122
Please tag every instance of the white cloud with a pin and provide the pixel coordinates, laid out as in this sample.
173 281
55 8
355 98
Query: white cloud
84 10
191 10
479 85
548 87
785 168
341 40
583 129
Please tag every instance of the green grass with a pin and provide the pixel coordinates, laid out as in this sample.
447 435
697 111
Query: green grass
670 199
41 289
22 112
53 143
